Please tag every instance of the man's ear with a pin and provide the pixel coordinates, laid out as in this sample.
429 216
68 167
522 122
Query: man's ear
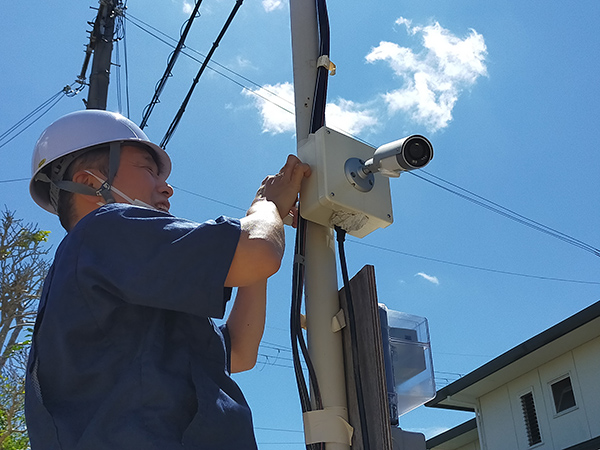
82 177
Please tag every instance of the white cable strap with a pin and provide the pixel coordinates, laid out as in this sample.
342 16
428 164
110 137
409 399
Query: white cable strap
327 425
324 61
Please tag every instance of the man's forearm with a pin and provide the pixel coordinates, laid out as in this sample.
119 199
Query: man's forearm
263 222
260 248
246 324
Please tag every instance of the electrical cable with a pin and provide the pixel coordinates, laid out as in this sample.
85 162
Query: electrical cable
506 212
362 414
295 314
170 64
468 266
39 111
179 114
118 78
121 38
256 92
320 97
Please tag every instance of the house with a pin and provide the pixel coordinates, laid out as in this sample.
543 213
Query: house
542 394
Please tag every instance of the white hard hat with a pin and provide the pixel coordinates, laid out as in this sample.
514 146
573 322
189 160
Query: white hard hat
78 131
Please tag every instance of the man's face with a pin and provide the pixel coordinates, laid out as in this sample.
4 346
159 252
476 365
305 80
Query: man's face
138 177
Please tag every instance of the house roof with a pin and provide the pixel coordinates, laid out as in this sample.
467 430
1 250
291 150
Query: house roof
561 338
456 437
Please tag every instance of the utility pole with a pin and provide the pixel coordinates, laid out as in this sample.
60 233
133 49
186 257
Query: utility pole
349 189
101 41
321 290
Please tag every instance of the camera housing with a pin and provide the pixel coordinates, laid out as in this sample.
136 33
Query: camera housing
328 198
409 153
349 185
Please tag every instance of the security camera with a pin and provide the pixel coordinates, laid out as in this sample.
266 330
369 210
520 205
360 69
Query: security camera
409 153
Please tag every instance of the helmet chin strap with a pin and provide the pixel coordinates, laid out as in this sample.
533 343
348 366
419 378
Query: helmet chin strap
128 199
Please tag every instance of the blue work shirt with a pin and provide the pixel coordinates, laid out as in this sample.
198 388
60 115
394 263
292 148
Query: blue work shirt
125 354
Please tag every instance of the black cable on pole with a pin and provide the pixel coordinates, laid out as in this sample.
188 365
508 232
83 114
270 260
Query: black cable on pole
320 97
179 114
170 64
341 237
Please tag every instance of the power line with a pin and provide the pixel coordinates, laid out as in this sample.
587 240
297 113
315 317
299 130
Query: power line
468 266
386 249
256 92
170 65
441 261
14 180
506 212
186 100
37 114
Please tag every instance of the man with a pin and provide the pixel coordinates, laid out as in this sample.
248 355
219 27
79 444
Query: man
124 353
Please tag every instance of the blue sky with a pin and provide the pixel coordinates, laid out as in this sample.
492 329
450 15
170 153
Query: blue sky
506 91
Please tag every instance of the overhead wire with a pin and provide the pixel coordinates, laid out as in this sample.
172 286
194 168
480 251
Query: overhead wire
506 212
120 37
387 249
160 85
465 194
134 20
187 98
412 255
37 113
468 266
485 203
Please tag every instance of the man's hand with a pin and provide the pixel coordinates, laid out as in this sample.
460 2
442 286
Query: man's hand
283 188
262 241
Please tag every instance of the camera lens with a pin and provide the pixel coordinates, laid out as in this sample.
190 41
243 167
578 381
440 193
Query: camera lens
417 152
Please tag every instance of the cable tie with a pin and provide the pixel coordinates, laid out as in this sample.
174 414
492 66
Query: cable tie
299 259
324 61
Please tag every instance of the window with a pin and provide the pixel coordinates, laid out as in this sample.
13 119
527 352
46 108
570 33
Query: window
562 393
531 422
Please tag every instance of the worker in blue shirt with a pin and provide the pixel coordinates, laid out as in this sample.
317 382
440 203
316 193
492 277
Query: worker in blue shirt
125 354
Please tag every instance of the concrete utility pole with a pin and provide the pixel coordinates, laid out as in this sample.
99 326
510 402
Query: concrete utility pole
101 41
321 290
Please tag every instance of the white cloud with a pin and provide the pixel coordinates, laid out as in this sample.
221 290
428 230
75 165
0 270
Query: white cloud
272 5
275 103
349 117
276 107
429 278
188 7
434 77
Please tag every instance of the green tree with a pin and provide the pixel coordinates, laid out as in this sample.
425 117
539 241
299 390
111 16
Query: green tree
23 267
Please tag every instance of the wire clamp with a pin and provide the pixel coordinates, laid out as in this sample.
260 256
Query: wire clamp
339 321
324 61
327 425
299 259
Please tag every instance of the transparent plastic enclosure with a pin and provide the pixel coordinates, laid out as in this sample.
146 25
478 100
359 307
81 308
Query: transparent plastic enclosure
408 361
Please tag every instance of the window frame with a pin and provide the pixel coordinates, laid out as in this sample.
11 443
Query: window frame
553 399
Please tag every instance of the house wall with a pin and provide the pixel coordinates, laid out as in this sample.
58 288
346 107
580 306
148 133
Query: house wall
459 444
502 425
587 364
495 423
